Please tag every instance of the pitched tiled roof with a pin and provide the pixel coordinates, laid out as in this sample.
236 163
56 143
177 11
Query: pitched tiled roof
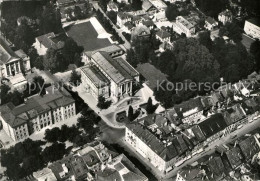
210 20
16 116
95 75
146 5
165 152
6 53
163 34
117 69
188 105
213 125
249 147
51 40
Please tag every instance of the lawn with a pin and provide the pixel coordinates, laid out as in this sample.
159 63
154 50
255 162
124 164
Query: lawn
85 35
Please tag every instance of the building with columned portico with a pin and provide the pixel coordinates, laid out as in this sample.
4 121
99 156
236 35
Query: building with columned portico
13 64
108 77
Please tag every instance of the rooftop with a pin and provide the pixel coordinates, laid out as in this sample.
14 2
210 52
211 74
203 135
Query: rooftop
117 69
95 75
165 152
6 53
20 114
51 40
249 147
212 125
163 34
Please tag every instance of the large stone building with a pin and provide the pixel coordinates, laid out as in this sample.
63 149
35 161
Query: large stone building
36 113
108 77
13 64
161 155
252 28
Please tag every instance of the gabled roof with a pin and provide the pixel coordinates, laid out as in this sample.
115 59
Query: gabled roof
6 53
165 152
249 147
146 5
212 125
188 105
50 40
19 115
210 20
117 69
123 15
163 34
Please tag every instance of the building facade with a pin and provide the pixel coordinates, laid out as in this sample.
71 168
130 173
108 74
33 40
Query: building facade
225 16
36 113
185 26
109 77
252 28
13 64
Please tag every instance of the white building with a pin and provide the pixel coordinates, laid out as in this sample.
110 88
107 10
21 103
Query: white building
110 77
225 16
122 18
252 28
163 36
160 155
210 23
47 41
185 26
36 113
13 64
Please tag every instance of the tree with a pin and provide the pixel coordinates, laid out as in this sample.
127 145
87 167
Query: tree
103 103
17 98
69 50
52 135
77 12
231 30
136 5
112 16
50 59
75 78
3 94
204 39
131 57
103 4
50 19
54 152
171 12
254 50
150 108
130 113
164 95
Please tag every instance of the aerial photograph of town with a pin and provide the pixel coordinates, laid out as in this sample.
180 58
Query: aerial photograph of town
129 90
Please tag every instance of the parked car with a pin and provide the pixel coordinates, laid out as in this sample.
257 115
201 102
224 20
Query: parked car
240 126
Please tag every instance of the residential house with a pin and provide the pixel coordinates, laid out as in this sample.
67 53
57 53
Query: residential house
225 17
122 18
36 113
160 155
148 23
140 32
210 23
249 147
148 7
217 170
252 28
112 6
44 174
13 64
191 173
49 40
185 26
163 36
190 111
120 76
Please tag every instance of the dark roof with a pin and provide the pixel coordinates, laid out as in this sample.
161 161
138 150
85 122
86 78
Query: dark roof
234 157
16 116
163 34
216 167
123 15
190 173
85 35
117 69
249 147
148 23
213 125
75 165
165 152
95 75
210 20
6 53
233 114
198 133
255 21
188 105
51 40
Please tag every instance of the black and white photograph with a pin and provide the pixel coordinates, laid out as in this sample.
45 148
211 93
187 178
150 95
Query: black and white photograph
129 90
